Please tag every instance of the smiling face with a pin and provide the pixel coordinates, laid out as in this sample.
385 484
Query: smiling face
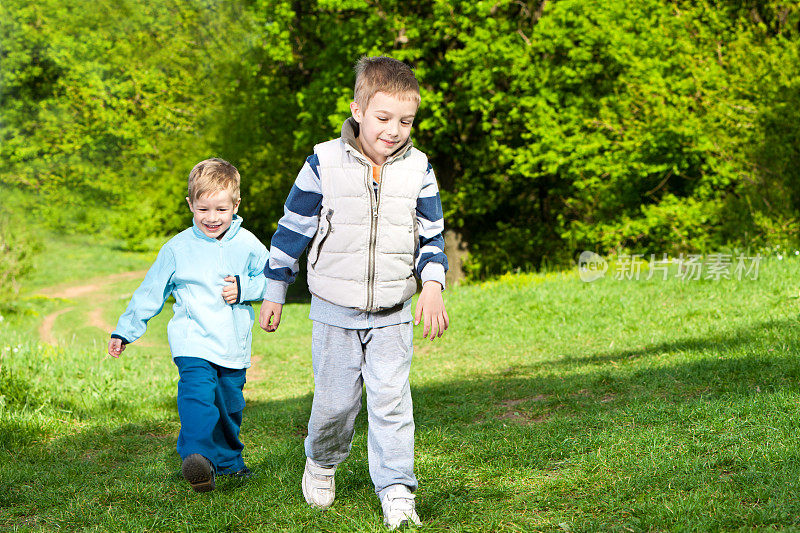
213 213
385 124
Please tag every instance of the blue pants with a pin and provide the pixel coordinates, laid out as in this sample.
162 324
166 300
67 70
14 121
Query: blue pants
210 404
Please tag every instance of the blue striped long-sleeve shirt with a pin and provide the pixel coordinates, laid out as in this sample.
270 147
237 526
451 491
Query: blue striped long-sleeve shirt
298 225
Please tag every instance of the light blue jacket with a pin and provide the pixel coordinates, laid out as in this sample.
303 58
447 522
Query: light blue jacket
192 267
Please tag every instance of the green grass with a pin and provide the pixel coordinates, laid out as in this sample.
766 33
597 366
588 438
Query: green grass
550 405
74 258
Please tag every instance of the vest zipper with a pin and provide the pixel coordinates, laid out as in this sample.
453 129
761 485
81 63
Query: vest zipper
374 201
375 218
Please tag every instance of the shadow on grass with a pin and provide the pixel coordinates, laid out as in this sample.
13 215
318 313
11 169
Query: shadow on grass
787 331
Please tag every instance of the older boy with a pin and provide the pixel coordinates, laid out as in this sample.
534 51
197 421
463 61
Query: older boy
213 269
368 206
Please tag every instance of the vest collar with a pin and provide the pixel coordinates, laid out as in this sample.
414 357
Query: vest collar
350 130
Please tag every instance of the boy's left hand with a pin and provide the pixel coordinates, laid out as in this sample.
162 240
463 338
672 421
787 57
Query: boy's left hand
115 347
230 292
431 305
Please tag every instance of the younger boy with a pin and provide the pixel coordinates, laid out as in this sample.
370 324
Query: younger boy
213 269
368 205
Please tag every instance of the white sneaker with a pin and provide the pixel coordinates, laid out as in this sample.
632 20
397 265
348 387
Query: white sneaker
319 487
399 508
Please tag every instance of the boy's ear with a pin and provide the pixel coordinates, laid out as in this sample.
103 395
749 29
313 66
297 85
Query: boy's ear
190 204
236 205
355 110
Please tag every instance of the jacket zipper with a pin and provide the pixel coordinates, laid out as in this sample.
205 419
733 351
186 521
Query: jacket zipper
233 314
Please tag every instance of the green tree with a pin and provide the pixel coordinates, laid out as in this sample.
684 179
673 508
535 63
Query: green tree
553 127
104 110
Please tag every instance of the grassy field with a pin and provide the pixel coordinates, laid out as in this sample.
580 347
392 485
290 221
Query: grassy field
550 405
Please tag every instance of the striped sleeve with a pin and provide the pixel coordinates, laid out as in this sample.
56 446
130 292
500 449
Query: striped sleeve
430 262
296 228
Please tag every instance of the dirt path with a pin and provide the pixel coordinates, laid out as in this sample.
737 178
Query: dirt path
90 296
96 285
95 319
46 329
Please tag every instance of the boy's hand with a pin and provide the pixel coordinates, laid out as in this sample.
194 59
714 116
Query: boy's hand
230 292
270 310
431 305
115 347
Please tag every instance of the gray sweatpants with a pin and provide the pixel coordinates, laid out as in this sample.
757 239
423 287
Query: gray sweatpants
344 361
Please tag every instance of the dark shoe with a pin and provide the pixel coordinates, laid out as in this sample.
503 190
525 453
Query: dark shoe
199 472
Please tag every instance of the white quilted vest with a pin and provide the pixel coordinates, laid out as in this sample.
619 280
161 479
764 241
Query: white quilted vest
362 255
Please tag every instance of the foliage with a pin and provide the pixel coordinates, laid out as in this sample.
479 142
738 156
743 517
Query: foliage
553 127
556 127
18 247
102 107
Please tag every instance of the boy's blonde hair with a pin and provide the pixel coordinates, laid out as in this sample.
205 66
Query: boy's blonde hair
384 74
212 175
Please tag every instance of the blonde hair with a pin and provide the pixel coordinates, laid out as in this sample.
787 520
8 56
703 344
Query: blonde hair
212 175
384 74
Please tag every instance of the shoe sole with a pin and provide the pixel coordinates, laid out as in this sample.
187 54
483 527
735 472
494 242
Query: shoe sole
197 470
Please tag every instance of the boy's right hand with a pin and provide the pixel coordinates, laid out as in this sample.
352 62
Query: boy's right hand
270 312
115 347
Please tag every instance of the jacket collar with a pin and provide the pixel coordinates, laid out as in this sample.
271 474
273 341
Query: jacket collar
350 131
236 223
